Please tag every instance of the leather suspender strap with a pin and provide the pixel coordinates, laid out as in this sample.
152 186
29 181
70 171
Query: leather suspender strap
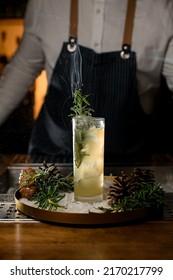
128 29
73 19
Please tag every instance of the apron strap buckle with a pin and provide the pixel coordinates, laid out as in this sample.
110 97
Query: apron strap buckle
125 53
72 45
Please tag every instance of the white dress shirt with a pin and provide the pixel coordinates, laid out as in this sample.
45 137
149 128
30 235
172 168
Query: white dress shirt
100 27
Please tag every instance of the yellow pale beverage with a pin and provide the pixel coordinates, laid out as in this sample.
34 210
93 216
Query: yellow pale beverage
88 158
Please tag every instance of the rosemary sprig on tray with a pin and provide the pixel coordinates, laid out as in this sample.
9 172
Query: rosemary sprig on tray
137 190
50 190
50 186
149 196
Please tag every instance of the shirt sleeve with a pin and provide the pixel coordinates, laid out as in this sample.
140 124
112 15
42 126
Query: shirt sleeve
167 69
168 65
24 67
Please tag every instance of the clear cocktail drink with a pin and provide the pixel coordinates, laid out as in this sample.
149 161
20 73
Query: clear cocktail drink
88 158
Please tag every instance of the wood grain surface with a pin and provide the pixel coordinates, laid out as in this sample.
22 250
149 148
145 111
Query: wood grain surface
35 240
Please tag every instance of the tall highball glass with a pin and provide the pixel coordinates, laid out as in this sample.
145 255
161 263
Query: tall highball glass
88 158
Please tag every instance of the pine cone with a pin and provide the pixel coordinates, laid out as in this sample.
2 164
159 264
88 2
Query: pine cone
27 186
124 186
142 176
52 169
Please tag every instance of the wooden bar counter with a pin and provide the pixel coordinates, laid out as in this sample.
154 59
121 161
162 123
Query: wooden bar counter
147 240
33 240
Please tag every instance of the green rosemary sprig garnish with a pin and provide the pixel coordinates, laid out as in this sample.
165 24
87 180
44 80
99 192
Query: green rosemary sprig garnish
81 108
50 189
81 104
50 186
149 196
80 143
48 198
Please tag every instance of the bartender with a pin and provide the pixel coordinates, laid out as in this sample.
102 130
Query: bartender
125 51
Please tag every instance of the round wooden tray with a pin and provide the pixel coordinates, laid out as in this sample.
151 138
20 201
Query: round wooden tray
79 218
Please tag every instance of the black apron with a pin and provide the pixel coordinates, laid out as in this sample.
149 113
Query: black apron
110 78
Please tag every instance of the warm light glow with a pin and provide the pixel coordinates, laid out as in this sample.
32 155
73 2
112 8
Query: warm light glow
40 91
